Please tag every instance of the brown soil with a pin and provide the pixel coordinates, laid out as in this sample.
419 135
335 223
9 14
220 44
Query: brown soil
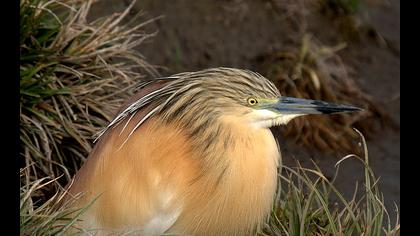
195 35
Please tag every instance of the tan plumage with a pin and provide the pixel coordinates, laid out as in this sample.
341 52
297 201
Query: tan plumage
189 154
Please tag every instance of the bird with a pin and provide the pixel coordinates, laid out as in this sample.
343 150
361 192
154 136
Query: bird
190 154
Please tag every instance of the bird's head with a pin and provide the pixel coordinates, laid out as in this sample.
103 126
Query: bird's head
234 93
267 112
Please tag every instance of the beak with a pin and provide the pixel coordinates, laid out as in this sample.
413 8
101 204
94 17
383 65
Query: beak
291 105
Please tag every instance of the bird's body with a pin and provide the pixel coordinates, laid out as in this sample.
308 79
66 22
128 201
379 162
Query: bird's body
190 154
163 185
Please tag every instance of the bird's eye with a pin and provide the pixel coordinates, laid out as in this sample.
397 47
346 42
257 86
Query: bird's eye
252 101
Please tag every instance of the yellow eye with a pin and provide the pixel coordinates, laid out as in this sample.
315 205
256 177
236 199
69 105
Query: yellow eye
252 101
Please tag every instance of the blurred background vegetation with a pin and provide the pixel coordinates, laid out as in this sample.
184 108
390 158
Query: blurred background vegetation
81 59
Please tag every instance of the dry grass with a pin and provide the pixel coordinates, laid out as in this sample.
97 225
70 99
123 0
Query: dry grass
311 69
317 72
74 75
52 217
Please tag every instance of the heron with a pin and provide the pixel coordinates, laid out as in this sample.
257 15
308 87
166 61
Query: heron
190 154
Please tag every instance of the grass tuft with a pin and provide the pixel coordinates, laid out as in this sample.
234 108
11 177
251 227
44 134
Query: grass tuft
73 76
310 204
51 217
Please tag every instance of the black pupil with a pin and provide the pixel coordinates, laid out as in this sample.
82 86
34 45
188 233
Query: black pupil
252 101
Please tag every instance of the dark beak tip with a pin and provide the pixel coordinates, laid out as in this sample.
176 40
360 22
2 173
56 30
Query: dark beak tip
340 109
